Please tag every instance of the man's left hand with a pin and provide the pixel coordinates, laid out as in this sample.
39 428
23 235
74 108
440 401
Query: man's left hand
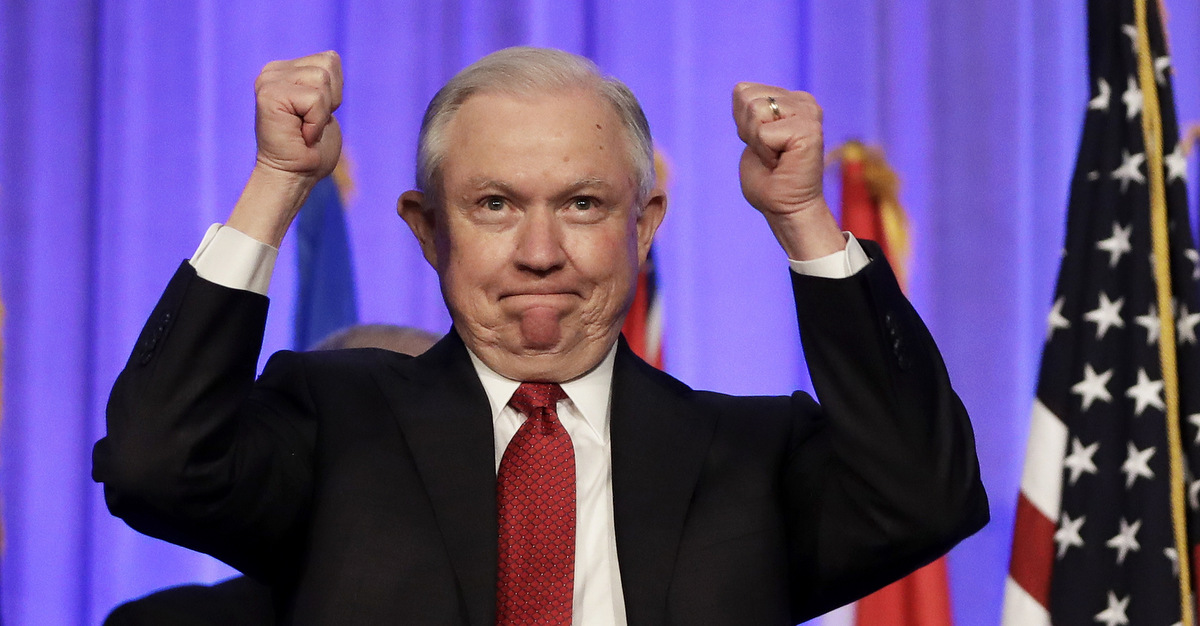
782 167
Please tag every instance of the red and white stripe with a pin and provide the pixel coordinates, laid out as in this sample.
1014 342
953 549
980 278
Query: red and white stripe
1027 590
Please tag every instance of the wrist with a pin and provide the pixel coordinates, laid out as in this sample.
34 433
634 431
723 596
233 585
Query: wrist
809 233
268 204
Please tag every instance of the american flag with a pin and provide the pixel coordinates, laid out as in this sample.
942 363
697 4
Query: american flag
643 327
1094 540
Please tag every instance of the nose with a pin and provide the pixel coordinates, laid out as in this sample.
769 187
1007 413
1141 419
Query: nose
540 242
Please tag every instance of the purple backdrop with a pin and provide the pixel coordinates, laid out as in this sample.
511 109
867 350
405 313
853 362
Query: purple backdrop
126 128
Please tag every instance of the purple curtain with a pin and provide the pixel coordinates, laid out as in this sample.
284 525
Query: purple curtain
127 127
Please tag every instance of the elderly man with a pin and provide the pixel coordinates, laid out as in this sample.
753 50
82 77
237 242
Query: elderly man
529 468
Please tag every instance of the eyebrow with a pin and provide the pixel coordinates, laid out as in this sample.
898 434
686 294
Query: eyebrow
585 183
481 183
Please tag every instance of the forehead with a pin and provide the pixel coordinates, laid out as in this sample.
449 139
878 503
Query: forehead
571 134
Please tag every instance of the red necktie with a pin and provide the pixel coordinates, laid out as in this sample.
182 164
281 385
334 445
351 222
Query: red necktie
535 496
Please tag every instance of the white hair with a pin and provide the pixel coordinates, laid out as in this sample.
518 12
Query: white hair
524 71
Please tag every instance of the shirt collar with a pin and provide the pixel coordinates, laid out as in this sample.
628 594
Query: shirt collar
591 393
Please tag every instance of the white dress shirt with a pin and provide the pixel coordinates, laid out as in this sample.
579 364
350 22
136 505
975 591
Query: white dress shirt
232 259
584 414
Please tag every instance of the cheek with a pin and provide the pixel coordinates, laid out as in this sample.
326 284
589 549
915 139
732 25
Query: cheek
466 267
610 262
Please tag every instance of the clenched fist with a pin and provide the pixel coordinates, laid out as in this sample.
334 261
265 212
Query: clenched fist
294 123
782 167
299 142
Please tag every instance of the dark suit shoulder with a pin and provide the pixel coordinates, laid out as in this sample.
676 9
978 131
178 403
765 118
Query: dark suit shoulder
238 601
356 361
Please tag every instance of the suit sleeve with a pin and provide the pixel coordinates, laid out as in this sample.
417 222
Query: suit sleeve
195 452
887 479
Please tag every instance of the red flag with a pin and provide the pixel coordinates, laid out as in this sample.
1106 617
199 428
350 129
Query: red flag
870 203
920 599
870 210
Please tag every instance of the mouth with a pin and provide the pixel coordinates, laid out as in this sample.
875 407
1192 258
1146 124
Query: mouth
539 289
536 297
525 299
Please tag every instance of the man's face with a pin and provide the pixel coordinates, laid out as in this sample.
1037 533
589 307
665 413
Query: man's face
537 240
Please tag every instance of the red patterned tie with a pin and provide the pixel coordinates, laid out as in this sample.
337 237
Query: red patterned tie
535 495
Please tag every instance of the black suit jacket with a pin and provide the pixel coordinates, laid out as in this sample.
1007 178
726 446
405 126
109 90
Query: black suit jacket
238 601
361 482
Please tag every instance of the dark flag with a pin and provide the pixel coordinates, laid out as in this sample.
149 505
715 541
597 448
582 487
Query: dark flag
325 294
1106 520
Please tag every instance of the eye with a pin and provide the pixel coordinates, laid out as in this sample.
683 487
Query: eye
583 203
493 203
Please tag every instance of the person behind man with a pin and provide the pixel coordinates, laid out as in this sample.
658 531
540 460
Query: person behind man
529 468
403 339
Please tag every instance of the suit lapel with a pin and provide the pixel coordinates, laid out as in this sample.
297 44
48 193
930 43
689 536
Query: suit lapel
446 420
659 442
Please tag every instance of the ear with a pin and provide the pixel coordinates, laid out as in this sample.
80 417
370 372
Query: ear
420 217
648 222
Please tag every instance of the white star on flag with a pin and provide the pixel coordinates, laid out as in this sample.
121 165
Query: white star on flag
1185 326
1125 541
1114 615
1067 535
1056 320
1194 494
1194 420
1173 556
1161 64
1080 460
1131 32
1100 102
1093 386
1151 323
1132 99
1176 164
1106 315
1117 244
1194 257
1146 393
1130 169
1136 464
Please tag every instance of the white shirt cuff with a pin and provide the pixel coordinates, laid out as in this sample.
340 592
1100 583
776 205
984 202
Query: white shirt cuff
231 258
841 264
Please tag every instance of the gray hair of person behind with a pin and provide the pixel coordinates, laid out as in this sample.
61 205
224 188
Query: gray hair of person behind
402 339
525 71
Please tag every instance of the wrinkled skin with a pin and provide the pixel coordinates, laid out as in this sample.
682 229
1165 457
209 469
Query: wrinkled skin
538 240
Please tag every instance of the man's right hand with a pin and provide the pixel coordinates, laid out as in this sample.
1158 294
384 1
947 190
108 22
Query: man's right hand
299 142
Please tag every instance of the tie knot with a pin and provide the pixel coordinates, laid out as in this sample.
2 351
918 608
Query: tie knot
532 396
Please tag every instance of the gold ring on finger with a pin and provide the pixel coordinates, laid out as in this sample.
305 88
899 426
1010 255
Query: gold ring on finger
774 107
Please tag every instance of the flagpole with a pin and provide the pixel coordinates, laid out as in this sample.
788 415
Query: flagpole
1152 135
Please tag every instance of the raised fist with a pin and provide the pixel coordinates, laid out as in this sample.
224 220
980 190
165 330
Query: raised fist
783 163
294 124
299 142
